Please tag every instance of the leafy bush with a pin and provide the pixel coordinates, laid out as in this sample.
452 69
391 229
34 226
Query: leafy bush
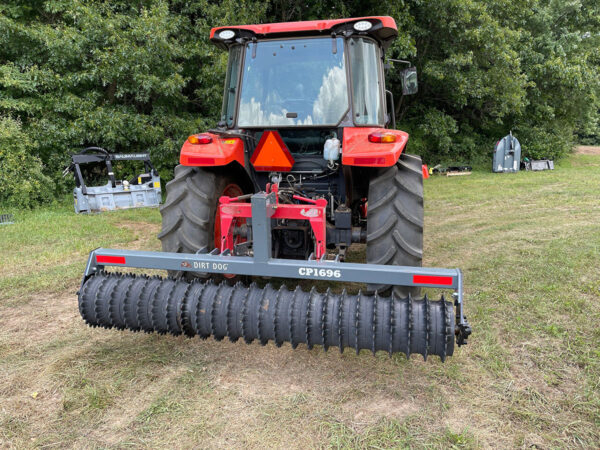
541 143
22 182
126 76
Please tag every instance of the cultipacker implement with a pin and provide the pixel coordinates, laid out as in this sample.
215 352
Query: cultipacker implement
300 167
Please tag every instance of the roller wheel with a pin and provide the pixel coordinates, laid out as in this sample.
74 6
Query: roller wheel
342 320
395 219
190 212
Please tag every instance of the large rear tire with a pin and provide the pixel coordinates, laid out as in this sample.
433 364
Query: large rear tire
189 212
395 219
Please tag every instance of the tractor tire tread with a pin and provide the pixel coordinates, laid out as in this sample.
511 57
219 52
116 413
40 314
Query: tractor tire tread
395 219
188 213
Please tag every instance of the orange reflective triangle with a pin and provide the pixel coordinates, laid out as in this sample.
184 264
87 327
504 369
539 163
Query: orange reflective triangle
272 154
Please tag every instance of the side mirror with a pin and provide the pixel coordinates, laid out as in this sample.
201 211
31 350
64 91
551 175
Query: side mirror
410 85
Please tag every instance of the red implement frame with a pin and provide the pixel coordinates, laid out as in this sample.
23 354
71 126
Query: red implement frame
315 213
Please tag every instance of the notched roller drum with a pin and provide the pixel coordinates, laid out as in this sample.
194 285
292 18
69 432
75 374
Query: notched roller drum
153 304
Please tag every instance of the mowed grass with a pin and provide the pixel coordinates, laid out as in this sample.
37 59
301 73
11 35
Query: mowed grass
529 246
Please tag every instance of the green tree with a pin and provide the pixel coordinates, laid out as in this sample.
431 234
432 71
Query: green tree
23 183
559 50
485 68
137 76
122 75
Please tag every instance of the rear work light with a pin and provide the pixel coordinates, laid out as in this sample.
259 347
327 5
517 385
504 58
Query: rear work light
382 137
226 34
363 25
197 139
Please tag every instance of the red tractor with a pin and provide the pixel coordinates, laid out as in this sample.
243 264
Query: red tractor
304 135
305 107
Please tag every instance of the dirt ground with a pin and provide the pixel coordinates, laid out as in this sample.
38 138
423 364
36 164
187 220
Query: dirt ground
243 383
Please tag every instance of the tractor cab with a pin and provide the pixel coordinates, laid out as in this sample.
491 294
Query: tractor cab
310 75
320 87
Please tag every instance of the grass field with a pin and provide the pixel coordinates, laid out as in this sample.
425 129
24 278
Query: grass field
528 243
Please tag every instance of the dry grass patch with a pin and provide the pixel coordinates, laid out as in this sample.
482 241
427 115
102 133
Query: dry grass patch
588 150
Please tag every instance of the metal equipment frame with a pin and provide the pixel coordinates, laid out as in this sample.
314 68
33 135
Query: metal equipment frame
7 219
113 195
261 263
107 158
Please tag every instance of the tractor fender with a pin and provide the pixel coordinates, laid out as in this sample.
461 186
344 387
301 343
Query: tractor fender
357 150
220 152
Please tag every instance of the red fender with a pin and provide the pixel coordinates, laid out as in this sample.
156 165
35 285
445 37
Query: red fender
220 152
357 150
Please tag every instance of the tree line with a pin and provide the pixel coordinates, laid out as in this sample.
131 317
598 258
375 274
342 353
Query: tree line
142 75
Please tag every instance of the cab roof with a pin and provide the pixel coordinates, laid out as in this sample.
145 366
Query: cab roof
383 29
